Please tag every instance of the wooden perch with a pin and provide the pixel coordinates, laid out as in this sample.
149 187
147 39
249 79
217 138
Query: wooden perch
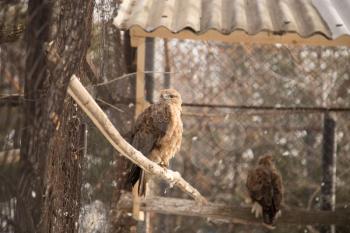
100 119
235 214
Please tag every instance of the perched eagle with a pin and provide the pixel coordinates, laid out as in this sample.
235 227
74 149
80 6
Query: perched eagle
157 134
264 184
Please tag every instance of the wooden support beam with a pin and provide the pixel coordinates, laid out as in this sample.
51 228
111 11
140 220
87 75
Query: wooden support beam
236 214
167 68
140 77
149 66
140 43
149 87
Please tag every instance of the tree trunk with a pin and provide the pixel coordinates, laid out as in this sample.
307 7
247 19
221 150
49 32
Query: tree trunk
44 164
64 174
34 145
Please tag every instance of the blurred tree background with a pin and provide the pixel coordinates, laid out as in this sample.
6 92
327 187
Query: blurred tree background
68 178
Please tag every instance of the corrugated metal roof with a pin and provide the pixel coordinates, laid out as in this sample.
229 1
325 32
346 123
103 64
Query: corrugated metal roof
336 13
304 17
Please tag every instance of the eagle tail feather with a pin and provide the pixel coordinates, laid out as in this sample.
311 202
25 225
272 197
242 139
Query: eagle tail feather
137 177
269 216
142 184
266 218
134 175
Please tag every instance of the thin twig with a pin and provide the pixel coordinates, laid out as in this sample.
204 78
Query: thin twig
108 104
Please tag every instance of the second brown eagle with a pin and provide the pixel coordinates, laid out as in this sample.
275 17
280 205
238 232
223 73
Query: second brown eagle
264 184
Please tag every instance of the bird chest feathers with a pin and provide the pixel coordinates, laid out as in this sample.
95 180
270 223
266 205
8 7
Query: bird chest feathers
172 140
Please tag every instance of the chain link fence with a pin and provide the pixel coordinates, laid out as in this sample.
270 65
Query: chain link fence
245 101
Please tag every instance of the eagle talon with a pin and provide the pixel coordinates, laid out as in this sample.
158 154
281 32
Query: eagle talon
278 214
163 165
270 227
257 209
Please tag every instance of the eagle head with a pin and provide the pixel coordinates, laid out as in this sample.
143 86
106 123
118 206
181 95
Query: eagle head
170 96
266 160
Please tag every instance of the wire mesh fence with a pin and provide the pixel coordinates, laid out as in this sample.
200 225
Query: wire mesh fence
240 102
244 101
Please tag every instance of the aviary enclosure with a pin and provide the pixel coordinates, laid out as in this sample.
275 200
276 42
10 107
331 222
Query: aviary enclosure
242 99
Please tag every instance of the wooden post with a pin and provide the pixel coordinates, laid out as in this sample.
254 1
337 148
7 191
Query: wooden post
149 86
328 169
140 103
167 65
145 49
149 66
140 76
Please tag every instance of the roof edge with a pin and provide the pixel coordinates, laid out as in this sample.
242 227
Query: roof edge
241 36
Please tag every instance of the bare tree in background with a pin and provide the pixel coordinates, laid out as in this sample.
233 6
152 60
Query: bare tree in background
124 94
49 187
116 57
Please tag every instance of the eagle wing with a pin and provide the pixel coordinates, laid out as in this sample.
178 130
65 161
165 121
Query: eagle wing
265 188
277 190
150 127
258 183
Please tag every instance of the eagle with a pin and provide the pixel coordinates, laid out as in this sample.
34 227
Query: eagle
157 134
264 184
